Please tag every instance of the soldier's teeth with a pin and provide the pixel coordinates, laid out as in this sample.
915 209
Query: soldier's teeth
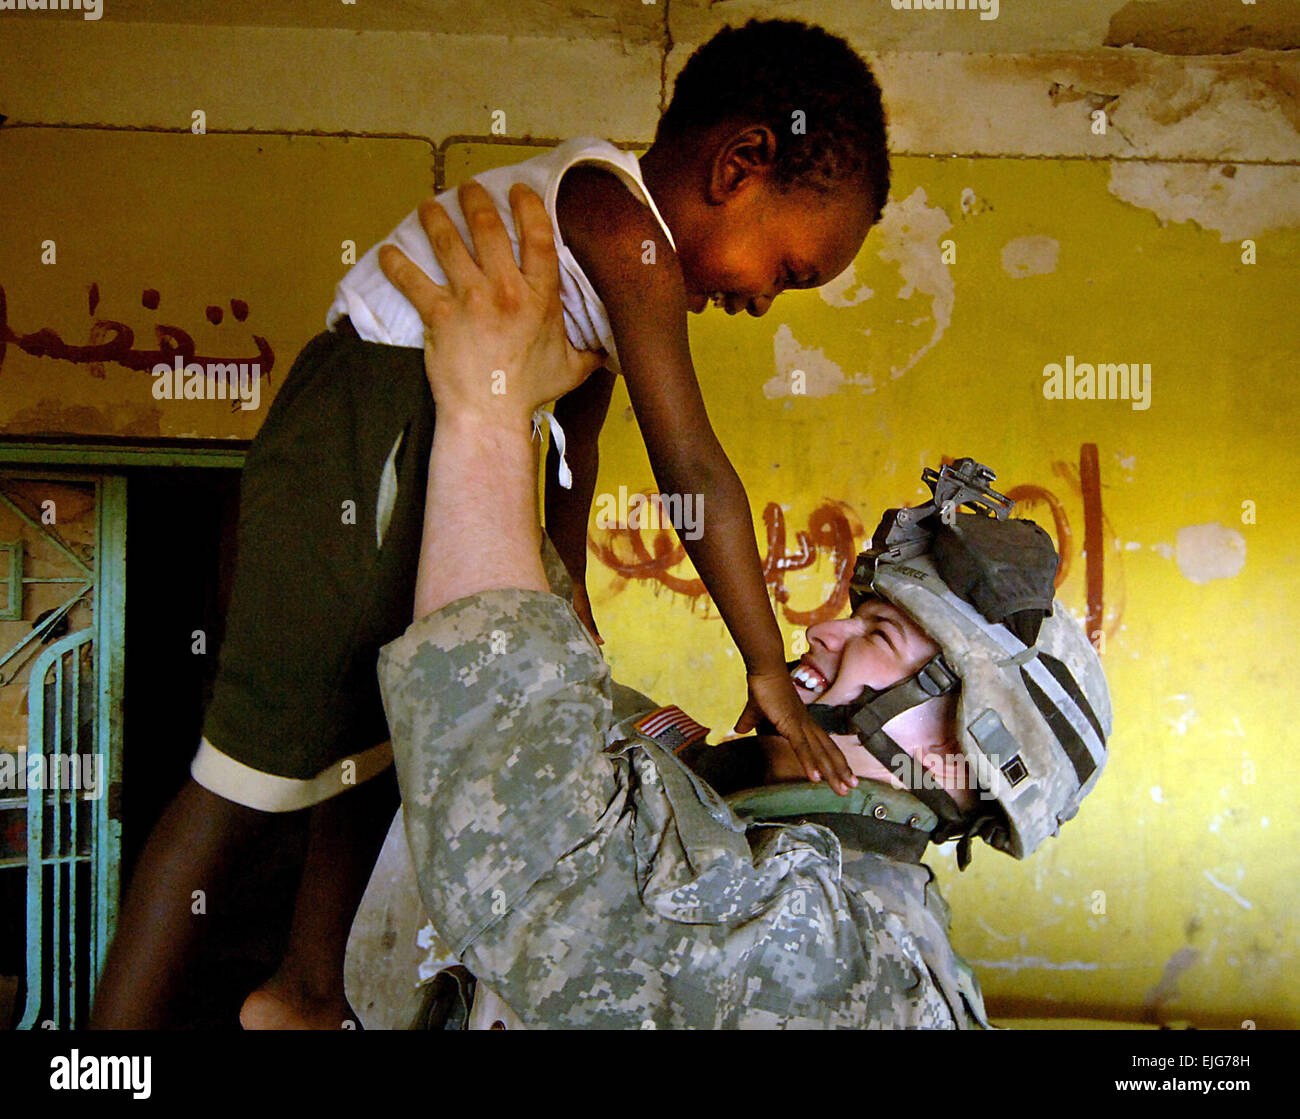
807 679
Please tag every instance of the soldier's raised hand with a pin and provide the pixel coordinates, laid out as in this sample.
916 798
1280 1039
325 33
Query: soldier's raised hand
495 345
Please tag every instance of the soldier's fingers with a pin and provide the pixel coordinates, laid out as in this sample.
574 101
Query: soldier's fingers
537 256
410 280
448 246
491 239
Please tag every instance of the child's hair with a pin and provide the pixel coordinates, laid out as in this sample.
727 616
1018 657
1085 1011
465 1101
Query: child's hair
765 71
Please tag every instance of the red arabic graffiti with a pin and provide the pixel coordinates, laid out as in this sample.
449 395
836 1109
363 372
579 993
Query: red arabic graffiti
112 341
834 531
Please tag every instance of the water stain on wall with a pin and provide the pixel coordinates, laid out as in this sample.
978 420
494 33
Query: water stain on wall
1167 988
1195 27
55 417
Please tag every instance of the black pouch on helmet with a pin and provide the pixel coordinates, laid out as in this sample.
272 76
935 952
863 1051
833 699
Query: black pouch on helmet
1006 569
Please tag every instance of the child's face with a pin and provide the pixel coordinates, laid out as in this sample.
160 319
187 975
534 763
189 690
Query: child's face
759 242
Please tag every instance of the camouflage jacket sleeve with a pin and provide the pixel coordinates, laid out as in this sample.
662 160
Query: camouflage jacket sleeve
593 880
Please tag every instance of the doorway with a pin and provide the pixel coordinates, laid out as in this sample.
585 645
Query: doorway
133 575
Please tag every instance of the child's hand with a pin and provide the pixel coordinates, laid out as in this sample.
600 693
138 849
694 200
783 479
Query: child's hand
582 604
772 694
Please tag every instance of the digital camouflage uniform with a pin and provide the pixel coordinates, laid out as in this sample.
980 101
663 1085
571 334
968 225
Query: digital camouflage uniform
590 879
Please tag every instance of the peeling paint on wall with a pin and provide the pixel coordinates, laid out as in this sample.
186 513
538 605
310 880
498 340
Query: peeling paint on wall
1235 202
821 376
1030 256
972 203
1245 109
1209 551
910 231
908 236
1201 106
846 290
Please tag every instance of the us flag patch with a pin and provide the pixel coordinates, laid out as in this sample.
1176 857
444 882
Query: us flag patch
671 727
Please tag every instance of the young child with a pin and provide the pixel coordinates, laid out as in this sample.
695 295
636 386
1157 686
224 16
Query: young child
767 170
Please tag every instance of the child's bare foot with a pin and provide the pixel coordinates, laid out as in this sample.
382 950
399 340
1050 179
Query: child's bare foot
271 1008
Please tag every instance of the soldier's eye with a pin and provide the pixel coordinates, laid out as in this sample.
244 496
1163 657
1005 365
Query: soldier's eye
884 635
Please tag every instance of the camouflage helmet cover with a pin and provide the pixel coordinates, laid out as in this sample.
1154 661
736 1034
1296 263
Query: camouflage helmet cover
1032 720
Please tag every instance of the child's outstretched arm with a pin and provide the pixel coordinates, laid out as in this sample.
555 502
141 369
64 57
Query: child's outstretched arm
606 229
581 414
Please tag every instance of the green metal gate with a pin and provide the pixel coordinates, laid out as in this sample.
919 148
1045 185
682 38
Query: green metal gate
65 781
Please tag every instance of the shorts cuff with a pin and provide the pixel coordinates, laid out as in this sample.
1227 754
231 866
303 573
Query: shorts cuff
221 774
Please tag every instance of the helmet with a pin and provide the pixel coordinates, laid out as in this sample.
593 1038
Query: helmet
1033 709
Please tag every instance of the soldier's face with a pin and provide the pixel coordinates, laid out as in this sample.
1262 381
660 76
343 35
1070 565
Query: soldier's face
877 646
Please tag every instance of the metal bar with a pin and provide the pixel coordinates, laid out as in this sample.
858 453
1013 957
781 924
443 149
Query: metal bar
204 454
74 749
13 582
43 628
51 536
37 798
35 849
56 849
109 652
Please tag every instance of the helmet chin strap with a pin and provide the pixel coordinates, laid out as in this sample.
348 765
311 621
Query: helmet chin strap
865 717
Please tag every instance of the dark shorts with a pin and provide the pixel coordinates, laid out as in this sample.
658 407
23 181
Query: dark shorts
296 715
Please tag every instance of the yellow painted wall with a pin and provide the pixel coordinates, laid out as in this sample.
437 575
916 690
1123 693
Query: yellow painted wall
1172 895
201 220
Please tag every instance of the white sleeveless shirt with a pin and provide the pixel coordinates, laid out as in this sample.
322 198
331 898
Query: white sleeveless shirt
380 313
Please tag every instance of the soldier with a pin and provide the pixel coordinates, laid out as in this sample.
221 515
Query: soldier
567 853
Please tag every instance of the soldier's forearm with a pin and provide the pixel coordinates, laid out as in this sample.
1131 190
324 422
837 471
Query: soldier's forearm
481 521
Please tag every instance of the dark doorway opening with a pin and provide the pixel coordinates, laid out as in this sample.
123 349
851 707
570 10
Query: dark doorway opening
181 552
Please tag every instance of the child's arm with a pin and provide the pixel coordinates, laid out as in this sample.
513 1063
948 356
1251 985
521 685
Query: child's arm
606 228
581 413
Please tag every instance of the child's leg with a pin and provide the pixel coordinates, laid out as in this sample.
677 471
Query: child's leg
346 834
195 845
325 577
348 830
